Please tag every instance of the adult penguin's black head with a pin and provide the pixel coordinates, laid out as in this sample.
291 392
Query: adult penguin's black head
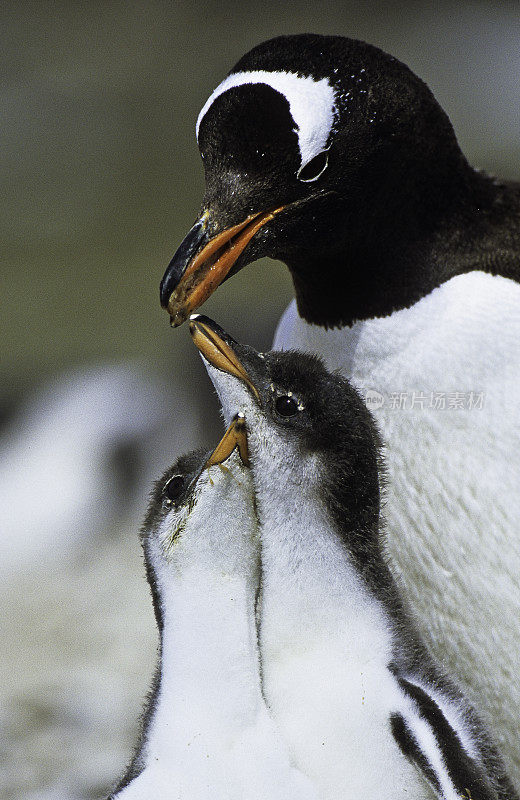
330 155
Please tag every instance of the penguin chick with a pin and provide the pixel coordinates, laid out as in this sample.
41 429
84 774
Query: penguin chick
361 704
206 733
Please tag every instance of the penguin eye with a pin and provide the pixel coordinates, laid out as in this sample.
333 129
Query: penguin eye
173 489
314 168
286 406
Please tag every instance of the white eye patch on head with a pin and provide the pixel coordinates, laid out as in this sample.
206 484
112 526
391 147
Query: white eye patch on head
311 103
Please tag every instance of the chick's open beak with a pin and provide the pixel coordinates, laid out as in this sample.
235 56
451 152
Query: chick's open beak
201 264
217 351
235 437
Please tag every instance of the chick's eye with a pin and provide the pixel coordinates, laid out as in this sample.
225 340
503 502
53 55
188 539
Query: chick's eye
173 489
286 406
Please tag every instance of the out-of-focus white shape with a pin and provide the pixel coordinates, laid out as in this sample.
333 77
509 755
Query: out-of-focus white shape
80 632
81 646
57 483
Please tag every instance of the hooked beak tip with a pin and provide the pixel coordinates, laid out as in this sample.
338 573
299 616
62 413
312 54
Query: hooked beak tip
200 263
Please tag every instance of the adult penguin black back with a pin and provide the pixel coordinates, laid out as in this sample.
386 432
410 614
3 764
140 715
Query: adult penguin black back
332 156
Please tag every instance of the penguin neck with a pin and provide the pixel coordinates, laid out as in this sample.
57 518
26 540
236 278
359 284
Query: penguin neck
307 570
386 253
209 678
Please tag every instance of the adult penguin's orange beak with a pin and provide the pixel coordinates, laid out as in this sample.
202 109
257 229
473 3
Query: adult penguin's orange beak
201 263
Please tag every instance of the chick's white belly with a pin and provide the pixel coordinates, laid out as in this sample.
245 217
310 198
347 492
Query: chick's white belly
336 720
253 763
452 501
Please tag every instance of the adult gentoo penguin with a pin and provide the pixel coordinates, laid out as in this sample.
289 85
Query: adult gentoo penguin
332 156
206 732
363 708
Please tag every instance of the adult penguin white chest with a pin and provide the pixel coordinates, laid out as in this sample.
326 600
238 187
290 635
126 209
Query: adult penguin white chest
363 708
207 734
332 156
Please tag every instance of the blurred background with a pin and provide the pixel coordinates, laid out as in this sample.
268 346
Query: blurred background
101 179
